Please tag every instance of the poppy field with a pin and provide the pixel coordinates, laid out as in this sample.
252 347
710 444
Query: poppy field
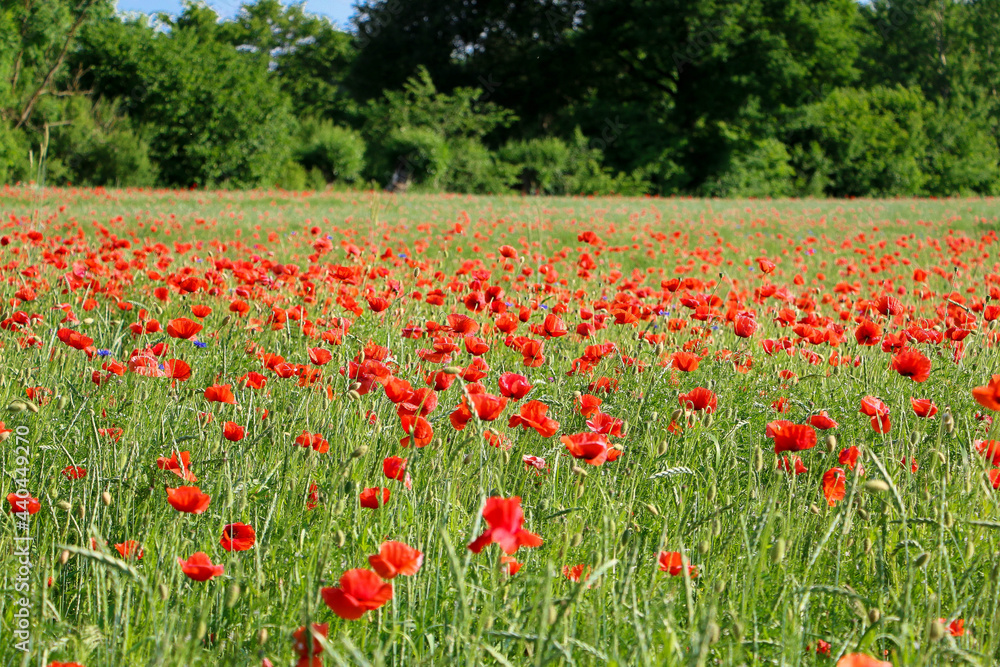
273 428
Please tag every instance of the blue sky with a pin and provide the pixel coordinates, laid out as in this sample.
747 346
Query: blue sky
338 10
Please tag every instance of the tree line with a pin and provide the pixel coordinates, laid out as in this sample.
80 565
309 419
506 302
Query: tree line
711 98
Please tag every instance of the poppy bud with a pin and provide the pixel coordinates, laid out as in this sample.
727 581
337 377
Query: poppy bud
758 459
105 497
81 511
262 636
652 508
712 632
935 630
949 519
676 414
922 559
970 550
716 527
226 320
451 370
201 631
232 595
866 545
338 509
813 508
720 586
62 402
467 460
88 320
553 615
63 557
662 448
876 486
709 419
353 395
874 615
31 407
17 406
704 547
577 470
577 539
712 491
164 592
579 491
359 452
63 505
4 436
738 630
926 495
863 514
949 423
831 443
778 550
341 539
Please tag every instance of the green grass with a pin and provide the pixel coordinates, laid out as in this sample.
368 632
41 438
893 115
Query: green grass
779 569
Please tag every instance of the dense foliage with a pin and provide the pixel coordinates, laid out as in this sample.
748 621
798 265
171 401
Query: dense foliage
718 98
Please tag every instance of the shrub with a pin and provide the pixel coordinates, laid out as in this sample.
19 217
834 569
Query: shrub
338 153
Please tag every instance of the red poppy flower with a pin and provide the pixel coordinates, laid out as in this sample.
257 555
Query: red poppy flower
833 485
591 447
71 472
514 386
487 406
419 432
307 651
988 396
129 549
318 356
199 567
22 504
75 339
238 537
220 393
789 437
792 466
510 565
673 562
989 449
394 467
822 421
699 399
923 407
506 520
183 328
314 440
910 363
177 369
370 497
956 628
188 499
868 333
878 411
576 573
588 405
744 325
685 361
359 591
181 467
533 415
395 558
233 432
848 457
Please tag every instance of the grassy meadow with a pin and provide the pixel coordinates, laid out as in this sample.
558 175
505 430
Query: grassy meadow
337 331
